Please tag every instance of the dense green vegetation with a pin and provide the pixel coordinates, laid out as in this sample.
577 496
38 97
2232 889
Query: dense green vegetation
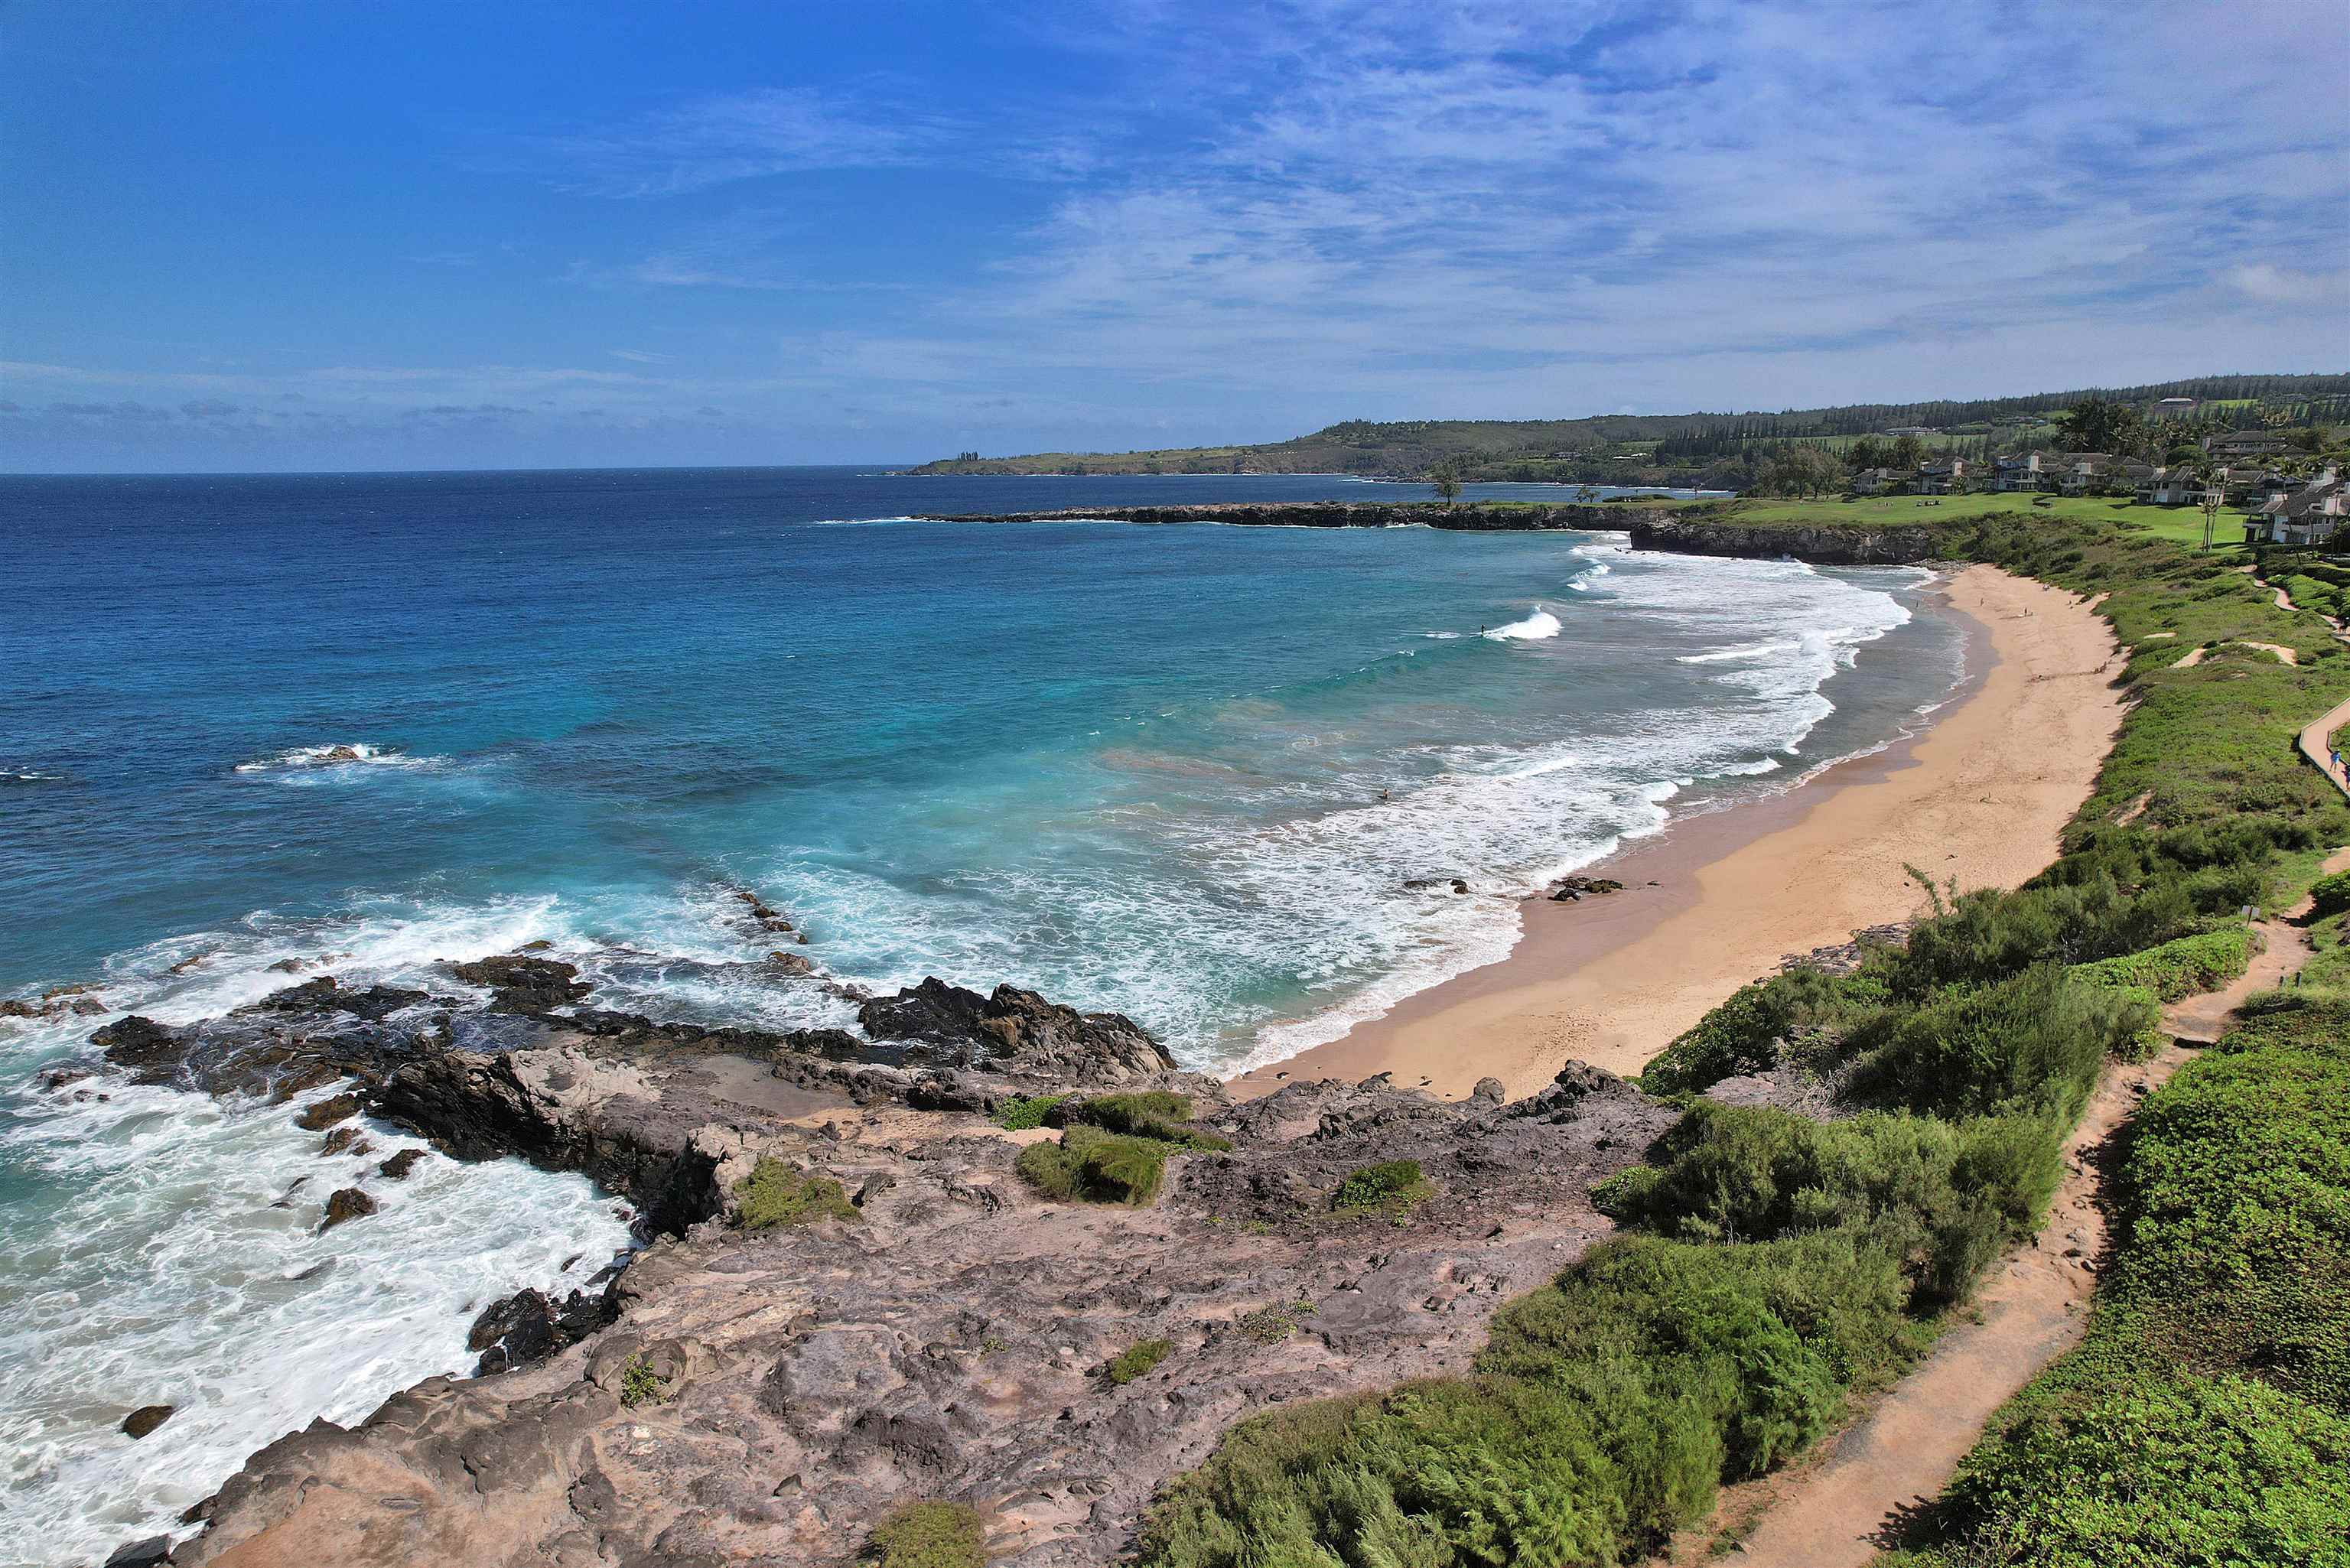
929 1536
1711 450
2180 967
779 1193
1771 1268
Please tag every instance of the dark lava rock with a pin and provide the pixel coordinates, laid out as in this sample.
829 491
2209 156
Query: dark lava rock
344 1140
1018 1029
398 1167
791 963
525 985
530 1326
349 1204
149 1051
1577 888
930 1011
327 1112
152 1552
146 1418
374 1003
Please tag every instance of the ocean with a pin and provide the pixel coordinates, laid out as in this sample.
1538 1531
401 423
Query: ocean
1216 778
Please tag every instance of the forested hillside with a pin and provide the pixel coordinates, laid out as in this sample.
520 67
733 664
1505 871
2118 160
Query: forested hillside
1711 450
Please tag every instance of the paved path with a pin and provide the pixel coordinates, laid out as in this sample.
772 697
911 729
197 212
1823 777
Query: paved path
2317 742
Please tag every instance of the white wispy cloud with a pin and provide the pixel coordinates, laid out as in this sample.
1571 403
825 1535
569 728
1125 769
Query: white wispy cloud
726 138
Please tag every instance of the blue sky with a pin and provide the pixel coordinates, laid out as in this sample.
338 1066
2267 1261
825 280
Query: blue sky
303 235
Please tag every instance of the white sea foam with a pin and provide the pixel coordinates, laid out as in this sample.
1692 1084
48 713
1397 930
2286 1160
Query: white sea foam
148 1264
1533 628
347 754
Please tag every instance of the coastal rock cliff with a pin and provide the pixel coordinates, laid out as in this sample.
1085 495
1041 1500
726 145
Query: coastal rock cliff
1833 545
934 1328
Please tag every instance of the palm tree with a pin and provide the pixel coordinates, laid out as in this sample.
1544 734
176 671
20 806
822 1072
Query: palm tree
1446 476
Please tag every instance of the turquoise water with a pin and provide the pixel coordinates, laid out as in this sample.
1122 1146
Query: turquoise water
1188 773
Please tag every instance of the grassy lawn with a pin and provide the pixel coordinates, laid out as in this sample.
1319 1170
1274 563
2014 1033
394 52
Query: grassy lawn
2181 524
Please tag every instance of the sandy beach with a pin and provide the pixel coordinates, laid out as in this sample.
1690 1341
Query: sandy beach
1719 898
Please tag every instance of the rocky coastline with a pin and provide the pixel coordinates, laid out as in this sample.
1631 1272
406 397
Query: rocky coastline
1701 531
1466 518
941 1330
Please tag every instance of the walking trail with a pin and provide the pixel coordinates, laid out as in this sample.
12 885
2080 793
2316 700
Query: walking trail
1841 1509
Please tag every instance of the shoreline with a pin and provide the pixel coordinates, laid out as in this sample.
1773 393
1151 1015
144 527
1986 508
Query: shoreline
1982 794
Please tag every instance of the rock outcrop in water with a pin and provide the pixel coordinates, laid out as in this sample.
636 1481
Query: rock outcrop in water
766 1396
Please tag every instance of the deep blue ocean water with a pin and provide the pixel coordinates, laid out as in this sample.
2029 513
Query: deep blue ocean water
1182 771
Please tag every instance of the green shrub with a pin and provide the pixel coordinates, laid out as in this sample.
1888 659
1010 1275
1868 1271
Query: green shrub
2181 966
2234 1212
929 1536
1396 1188
1943 1197
1151 1112
1018 1114
1747 1033
2033 1043
2156 1469
2331 895
778 1193
640 1385
1269 1326
1096 1167
1138 1359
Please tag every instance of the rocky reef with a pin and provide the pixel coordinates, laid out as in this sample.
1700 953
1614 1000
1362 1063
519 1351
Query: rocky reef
764 1383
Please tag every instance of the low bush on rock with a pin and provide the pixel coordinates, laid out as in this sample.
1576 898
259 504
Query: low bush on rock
1096 1167
1395 1189
1136 1360
1272 1324
1747 1033
1151 1112
1021 1113
778 1193
929 1536
640 1385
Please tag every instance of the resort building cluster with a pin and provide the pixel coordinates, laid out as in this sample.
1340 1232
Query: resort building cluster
2244 467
